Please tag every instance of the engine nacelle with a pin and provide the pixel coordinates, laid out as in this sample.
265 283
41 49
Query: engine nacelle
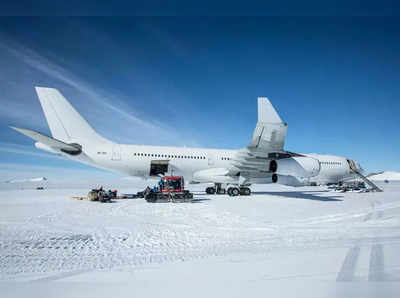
216 175
299 166
288 180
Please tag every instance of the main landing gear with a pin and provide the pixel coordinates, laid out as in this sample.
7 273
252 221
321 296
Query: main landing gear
231 191
235 191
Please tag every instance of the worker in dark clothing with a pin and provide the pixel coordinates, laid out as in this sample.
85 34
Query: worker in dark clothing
160 184
147 191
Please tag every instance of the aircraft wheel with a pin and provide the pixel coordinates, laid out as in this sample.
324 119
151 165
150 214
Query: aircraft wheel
210 190
229 191
233 191
245 191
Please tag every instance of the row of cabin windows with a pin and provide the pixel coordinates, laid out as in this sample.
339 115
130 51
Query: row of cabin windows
225 158
168 156
331 163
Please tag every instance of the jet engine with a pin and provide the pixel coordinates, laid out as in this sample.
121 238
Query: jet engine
289 180
299 166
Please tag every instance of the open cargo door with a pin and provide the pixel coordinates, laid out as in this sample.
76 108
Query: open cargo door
159 167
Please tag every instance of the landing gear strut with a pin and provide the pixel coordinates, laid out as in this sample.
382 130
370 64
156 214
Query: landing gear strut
217 189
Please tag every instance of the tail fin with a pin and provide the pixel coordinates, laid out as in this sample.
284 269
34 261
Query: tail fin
266 111
270 132
64 121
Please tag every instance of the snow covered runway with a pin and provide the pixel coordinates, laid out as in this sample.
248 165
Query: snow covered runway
279 233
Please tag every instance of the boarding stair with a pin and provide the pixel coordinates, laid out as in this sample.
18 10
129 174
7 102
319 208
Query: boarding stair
354 169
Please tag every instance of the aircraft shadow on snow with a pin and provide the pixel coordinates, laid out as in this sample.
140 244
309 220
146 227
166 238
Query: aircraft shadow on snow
300 195
200 200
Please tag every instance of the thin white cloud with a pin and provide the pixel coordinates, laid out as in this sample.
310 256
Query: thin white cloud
104 101
25 150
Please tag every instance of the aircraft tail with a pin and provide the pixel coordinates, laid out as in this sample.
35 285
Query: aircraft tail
267 112
270 132
65 123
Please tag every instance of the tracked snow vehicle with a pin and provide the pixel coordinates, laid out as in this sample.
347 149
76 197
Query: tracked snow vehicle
170 189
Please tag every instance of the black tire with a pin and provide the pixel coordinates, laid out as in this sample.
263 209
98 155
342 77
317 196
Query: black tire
210 190
245 191
235 191
229 191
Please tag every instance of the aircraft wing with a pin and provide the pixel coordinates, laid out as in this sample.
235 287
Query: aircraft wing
53 144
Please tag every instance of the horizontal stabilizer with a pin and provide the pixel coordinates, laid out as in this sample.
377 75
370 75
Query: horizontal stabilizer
54 144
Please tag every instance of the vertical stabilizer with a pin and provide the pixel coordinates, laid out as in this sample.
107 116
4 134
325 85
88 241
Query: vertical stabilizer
65 123
266 112
270 132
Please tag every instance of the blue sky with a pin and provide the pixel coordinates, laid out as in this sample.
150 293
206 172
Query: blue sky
194 81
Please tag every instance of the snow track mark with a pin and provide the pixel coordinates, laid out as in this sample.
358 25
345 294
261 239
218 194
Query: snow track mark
376 264
349 265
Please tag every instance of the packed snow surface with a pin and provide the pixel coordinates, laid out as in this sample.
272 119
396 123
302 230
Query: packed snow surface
387 175
278 233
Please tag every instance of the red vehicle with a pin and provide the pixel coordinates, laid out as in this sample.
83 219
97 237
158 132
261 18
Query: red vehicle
170 189
174 184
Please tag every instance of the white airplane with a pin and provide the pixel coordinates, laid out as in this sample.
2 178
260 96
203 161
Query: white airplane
263 161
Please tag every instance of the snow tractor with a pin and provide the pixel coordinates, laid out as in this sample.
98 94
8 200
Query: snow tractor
170 189
101 195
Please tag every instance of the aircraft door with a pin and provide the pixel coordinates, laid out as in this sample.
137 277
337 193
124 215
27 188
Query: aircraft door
159 167
210 158
116 152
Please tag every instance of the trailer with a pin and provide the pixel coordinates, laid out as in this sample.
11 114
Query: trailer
170 189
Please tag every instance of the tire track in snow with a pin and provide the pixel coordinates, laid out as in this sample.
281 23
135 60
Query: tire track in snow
347 271
376 261
376 264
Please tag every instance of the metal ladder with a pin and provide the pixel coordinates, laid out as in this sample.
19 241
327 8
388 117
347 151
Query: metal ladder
369 182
